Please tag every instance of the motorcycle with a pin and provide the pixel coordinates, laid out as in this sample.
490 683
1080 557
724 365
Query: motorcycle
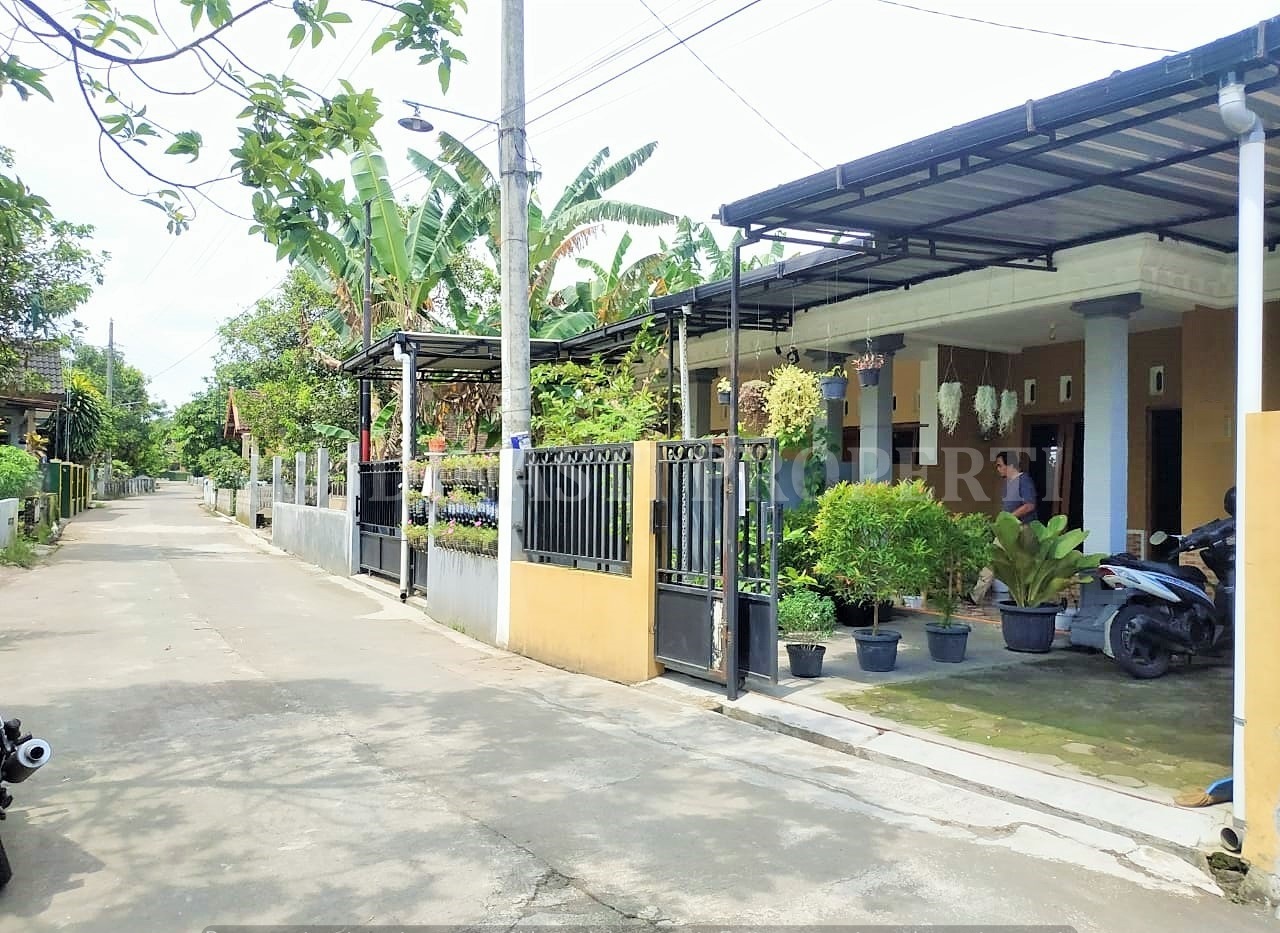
20 757
1144 612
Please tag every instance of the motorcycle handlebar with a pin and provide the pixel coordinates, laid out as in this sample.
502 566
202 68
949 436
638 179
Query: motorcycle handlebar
1206 535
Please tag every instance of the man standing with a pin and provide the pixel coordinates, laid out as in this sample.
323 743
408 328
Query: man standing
1018 499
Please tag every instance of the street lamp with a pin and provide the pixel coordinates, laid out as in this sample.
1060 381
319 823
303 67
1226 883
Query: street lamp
417 124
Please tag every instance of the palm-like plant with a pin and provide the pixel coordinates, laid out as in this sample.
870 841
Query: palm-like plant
85 419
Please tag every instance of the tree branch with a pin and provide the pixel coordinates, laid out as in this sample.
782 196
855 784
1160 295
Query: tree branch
77 43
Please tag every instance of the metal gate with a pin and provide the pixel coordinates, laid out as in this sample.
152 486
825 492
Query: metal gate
379 516
691 631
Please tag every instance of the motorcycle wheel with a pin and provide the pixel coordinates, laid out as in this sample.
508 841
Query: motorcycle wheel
5 871
1137 657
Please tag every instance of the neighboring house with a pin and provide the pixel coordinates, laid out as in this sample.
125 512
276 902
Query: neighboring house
34 397
234 428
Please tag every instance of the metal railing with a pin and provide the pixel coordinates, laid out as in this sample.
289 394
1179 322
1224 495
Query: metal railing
578 507
380 494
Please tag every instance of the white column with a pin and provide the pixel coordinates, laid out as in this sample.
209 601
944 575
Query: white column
1106 419
300 478
510 534
254 495
322 477
929 408
277 479
875 436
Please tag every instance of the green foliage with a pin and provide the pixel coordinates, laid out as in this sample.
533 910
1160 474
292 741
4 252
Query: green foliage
877 541
133 429
121 470
963 548
792 401
19 473
1037 561
19 552
84 427
474 539
594 403
196 427
226 468
805 616
798 550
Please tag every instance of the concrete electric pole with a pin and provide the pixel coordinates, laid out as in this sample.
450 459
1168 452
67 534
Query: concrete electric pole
514 187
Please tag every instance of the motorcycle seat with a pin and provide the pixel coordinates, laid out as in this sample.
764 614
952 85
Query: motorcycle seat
1190 574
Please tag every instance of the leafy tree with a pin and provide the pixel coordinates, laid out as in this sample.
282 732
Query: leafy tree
132 431
226 468
19 473
196 427
80 433
613 294
286 130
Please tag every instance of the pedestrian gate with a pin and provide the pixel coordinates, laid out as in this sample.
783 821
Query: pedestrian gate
379 516
691 631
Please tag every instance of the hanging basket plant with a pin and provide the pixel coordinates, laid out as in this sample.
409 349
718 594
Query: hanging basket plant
792 401
723 389
950 395
753 413
834 385
868 366
986 407
1008 409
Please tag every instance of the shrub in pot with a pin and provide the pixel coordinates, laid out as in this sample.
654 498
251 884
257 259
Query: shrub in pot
963 548
1036 562
805 620
875 540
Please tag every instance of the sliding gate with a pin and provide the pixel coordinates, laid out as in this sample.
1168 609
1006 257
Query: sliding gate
691 631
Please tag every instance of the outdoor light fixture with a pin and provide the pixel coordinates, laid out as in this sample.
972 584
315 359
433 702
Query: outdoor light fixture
415 123
419 125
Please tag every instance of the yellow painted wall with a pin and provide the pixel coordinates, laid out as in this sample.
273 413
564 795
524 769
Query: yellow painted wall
1208 411
594 623
1262 700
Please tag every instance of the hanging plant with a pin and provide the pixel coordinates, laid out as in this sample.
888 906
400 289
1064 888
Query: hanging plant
869 360
950 395
986 406
792 401
1008 409
752 414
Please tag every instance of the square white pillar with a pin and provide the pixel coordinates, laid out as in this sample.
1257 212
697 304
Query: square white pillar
1106 419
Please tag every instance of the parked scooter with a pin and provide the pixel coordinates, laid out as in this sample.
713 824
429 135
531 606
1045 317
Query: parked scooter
20 757
1143 612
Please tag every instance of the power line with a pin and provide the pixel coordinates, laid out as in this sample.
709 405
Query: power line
208 340
750 106
1041 32
641 64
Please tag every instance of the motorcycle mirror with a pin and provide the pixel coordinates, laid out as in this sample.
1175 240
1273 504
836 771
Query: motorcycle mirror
1158 538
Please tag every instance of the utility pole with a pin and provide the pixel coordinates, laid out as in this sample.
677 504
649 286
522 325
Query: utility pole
111 380
514 187
366 389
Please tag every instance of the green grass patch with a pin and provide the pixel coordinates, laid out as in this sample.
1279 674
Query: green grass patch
21 552
1174 732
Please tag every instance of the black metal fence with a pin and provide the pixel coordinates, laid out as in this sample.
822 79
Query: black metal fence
380 495
578 506
690 521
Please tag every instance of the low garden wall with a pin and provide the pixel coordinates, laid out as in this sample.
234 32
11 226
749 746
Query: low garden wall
462 591
318 536
8 521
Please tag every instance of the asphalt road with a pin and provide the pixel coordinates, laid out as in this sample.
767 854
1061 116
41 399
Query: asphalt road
240 738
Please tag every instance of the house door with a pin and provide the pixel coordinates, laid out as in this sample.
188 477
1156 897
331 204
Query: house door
1057 467
1166 470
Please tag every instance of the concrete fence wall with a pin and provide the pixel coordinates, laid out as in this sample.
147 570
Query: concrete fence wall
8 521
318 536
462 591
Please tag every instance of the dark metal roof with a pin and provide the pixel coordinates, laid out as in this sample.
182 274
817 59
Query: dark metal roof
46 363
1141 151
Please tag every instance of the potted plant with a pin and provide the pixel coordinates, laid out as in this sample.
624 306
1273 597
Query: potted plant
806 619
436 443
868 366
1036 562
492 472
874 541
963 548
834 384
723 389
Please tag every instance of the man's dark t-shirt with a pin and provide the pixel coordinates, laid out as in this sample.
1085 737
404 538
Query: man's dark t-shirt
1018 490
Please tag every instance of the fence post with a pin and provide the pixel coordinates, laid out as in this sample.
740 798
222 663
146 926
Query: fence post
353 496
322 477
300 478
277 479
253 485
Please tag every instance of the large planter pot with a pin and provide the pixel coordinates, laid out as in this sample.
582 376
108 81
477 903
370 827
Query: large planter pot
868 377
1028 629
834 388
861 615
947 642
806 660
877 653
437 445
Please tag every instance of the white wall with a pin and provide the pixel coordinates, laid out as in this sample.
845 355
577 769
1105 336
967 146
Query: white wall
319 536
8 521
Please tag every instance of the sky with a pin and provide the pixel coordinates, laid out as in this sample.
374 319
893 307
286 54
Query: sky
837 79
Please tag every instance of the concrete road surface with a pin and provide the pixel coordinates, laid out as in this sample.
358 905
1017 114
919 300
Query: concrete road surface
241 739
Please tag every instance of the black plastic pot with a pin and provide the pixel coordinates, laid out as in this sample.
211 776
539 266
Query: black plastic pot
877 653
806 660
947 642
861 615
868 377
834 388
1028 629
